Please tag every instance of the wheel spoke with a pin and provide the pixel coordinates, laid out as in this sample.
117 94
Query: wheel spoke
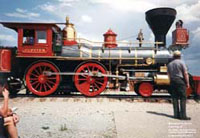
97 86
38 73
88 69
93 68
99 82
40 87
93 89
35 82
85 86
98 78
45 67
45 87
51 78
82 79
37 85
40 69
34 74
51 82
48 85
33 78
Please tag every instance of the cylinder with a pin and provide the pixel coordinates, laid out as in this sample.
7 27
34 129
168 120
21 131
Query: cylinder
161 79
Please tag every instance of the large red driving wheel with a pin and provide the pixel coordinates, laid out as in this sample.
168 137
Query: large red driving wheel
90 85
39 83
145 89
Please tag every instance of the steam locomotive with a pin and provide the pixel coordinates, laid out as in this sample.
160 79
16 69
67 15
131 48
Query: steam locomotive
48 59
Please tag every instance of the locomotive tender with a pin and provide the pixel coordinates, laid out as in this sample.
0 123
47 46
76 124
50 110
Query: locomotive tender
48 59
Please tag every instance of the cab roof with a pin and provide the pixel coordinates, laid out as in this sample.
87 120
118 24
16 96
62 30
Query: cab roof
16 25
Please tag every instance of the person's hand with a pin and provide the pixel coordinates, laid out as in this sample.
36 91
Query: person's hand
15 118
5 93
188 85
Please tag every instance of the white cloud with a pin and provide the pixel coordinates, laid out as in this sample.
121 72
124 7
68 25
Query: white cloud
128 5
58 9
68 0
6 38
86 18
20 13
196 36
21 10
196 31
189 13
152 37
48 7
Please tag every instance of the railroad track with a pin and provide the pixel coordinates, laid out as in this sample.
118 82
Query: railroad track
158 97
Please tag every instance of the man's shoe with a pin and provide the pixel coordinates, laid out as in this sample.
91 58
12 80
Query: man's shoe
185 118
177 117
197 100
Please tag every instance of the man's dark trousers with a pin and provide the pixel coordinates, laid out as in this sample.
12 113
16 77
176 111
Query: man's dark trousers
178 92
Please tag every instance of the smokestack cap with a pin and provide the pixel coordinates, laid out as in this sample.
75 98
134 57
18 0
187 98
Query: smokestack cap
160 19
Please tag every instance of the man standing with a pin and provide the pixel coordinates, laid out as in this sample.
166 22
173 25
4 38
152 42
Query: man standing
179 81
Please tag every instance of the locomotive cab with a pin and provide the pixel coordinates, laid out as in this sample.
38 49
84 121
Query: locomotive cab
37 39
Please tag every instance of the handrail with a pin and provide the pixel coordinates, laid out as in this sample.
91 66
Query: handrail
83 41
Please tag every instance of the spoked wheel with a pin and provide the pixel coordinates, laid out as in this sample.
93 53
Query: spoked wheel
39 83
145 89
87 84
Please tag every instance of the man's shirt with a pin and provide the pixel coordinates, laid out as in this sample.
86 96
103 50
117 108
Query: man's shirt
176 69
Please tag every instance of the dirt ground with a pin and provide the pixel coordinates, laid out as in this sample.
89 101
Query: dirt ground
102 118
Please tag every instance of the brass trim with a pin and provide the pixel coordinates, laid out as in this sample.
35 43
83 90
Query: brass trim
127 65
120 56
162 79
136 62
99 54
81 54
149 61
163 68
90 53
77 58
153 57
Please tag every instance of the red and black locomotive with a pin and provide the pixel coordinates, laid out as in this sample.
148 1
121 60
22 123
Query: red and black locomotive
48 59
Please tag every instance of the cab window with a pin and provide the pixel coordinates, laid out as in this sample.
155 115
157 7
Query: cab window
28 36
41 37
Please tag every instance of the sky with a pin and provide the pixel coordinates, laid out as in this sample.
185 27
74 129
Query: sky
92 18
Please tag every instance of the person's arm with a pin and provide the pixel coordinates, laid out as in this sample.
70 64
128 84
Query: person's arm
4 109
168 72
186 76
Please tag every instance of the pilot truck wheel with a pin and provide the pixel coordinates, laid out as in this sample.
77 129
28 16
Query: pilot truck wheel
144 89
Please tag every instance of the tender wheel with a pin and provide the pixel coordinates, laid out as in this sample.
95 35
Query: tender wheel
39 83
145 89
90 85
